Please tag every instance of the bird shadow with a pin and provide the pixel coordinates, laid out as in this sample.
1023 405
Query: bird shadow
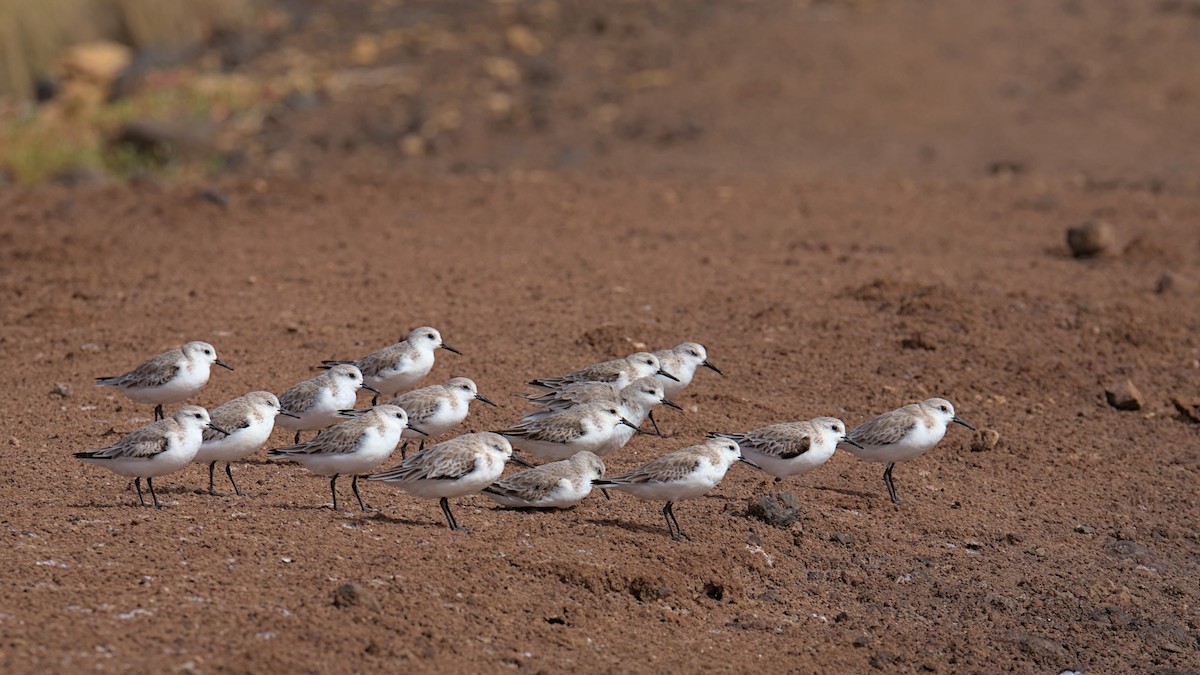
117 505
625 525
257 461
393 520
533 509
848 493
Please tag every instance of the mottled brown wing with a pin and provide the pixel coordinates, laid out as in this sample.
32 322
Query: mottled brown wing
420 404
334 440
784 442
143 443
300 397
394 357
229 417
607 371
886 429
664 469
154 372
559 428
532 485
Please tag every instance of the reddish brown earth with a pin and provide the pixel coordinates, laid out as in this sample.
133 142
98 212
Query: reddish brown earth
841 270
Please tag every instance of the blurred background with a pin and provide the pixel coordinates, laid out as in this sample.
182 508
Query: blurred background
101 90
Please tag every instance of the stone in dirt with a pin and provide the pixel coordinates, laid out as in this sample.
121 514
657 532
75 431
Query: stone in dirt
1188 406
354 595
985 440
1091 239
780 509
1124 396
1173 282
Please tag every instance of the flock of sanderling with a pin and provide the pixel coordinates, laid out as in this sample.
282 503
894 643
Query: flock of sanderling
582 416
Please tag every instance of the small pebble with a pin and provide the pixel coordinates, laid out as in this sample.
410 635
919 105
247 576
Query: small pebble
985 440
1091 239
1124 396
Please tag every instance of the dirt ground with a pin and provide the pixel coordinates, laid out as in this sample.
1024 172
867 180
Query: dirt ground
851 205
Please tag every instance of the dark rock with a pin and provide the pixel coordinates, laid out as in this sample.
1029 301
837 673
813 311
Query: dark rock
1173 282
882 660
1084 529
985 440
1002 602
1124 396
1126 548
1041 649
1091 239
842 538
1188 406
78 176
164 141
779 509
214 196
354 595
61 390
918 341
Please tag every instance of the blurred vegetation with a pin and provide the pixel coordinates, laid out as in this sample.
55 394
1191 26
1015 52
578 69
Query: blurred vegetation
72 51
33 33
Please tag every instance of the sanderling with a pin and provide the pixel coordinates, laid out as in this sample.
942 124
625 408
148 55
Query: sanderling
247 422
902 434
791 448
169 377
314 404
154 450
353 447
397 367
589 426
557 485
682 362
618 371
637 400
683 474
438 408
460 466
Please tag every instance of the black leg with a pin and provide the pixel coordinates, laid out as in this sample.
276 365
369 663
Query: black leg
422 448
354 486
374 400
137 483
296 440
887 478
671 512
404 447
229 472
333 489
158 413
445 503
656 430
150 484
666 511
211 489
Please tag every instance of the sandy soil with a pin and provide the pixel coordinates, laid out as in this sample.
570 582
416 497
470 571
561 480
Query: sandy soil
835 272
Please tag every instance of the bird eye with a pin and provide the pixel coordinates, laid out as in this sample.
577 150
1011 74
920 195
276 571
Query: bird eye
197 415
208 351
945 409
